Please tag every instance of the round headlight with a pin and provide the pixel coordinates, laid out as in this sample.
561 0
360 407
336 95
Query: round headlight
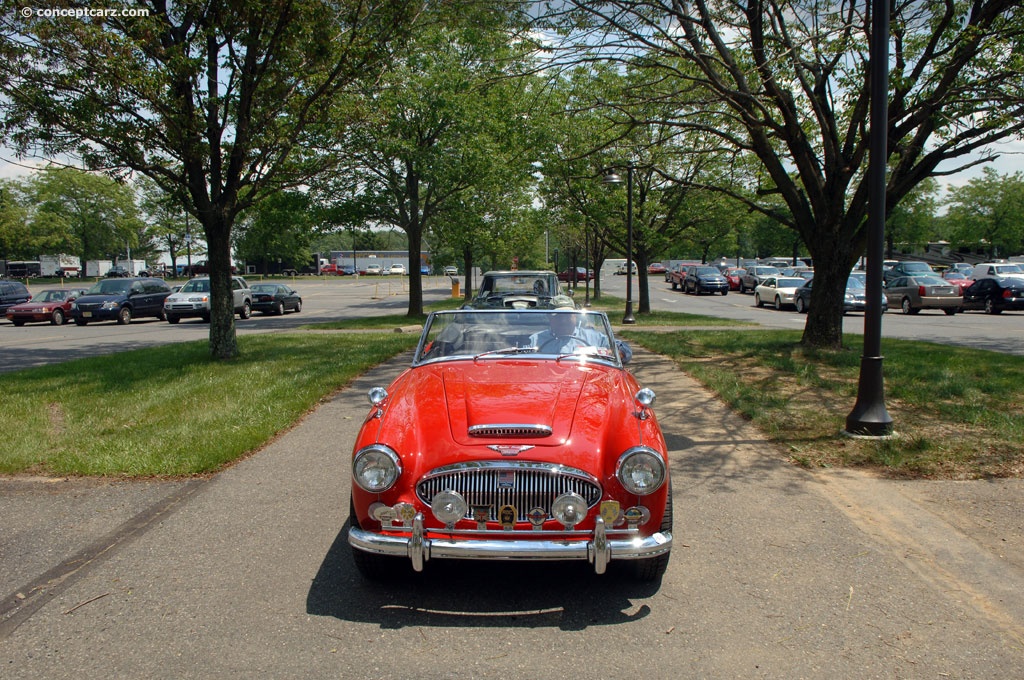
569 509
449 507
376 468
641 471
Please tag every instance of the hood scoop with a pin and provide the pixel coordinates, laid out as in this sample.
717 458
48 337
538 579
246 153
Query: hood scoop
509 431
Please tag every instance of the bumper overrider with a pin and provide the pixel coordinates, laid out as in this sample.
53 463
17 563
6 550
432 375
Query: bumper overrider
597 547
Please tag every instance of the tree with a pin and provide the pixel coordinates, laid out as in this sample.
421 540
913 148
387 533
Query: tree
85 213
989 210
167 219
446 133
913 220
213 100
280 228
787 83
17 239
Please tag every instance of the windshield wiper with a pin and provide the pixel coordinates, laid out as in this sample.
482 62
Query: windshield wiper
507 350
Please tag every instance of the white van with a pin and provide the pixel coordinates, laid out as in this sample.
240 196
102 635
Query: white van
997 270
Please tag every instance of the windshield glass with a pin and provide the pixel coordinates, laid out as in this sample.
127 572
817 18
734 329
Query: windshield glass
521 284
497 334
1009 269
52 296
917 268
264 287
107 287
196 286
706 271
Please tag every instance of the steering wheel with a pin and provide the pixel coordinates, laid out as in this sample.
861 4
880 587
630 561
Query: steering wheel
562 339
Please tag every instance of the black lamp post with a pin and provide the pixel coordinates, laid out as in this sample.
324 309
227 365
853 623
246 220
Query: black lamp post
869 416
615 178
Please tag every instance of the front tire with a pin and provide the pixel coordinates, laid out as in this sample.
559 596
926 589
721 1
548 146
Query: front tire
57 318
778 303
801 306
173 318
757 299
653 568
124 317
298 306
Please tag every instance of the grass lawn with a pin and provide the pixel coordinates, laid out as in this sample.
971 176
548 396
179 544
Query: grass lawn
171 410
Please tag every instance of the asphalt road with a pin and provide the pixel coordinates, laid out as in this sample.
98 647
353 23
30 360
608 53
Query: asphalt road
323 299
777 572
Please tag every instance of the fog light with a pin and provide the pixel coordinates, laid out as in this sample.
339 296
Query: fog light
569 508
449 507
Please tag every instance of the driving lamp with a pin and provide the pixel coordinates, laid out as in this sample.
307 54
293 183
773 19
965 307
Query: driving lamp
569 508
449 507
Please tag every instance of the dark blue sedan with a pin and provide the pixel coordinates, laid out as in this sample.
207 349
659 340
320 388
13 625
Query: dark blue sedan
275 298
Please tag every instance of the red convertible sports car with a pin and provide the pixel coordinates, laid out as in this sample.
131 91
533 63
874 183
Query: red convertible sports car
514 435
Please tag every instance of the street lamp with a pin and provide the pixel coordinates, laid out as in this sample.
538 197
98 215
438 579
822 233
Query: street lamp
869 416
615 178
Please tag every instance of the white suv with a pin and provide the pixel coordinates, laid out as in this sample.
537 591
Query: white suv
194 300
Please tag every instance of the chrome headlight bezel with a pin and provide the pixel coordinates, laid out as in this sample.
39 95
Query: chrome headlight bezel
376 468
641 470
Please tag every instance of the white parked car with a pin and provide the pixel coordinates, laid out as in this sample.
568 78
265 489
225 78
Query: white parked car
779 291
997 270
451 270
373 270
397 269
193 300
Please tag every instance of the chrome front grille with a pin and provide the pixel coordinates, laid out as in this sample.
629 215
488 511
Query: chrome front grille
494 484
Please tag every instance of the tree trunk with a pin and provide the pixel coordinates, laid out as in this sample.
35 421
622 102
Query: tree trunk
223 342
415 279
467 267
824 327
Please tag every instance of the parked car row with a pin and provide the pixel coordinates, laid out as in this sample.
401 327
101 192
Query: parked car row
125 299
909 294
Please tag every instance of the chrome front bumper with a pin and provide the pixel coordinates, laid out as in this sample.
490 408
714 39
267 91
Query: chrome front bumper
599 550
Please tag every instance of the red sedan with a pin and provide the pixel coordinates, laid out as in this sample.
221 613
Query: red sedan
732 275
514 435
961 281
53 305
581 274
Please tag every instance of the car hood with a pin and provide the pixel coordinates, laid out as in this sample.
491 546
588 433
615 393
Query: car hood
32 306
568 412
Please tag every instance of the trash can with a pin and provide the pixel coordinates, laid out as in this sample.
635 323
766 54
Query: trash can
455 287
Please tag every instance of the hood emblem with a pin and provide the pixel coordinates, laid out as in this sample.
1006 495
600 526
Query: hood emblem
509 449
